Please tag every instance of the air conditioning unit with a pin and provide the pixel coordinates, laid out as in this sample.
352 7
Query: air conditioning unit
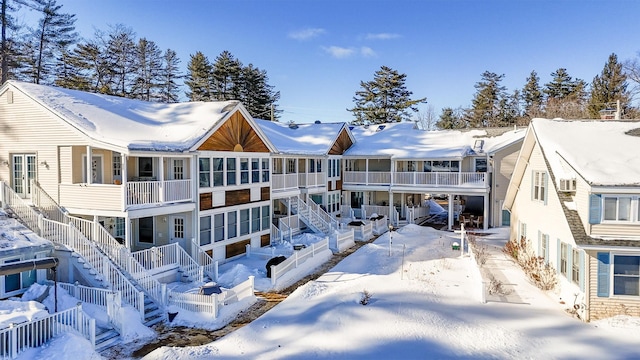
567 185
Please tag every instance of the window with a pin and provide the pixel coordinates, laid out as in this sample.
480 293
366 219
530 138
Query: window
218 227
117 166
11 282
218 172
617 208
575 266
231 171
265 170
312 165
539 185
255 219
178 169
265 217
319 165
426 167
205 230
523 230
291 166
145 167
564 249
232 220
411 166
244 222
332 163
178 228
481 164
244 171
204 168
626 275
145 230
255 170
277 166
119 231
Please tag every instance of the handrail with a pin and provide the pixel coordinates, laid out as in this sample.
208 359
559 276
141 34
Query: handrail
46 203
209 266
333 223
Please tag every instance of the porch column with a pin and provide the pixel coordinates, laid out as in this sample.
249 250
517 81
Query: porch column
127 232
392 169
123 170
485 217
89 167
161 179
366 170
450 220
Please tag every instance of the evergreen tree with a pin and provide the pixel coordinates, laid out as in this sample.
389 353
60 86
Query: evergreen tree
532 96
7 22
198 78
608 87
385 99
54 34
256 94
148 71
170 74
121 60
486 107
226 77
450 119
92 68
565 96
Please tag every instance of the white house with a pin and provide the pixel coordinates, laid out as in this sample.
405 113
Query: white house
575 194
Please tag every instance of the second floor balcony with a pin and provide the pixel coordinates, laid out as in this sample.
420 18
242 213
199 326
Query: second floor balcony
416 179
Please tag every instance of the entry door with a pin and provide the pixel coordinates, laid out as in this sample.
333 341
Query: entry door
23 171
177 169
177 231
96 169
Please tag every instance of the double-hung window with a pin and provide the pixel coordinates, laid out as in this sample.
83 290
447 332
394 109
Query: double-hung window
204 168
626 275
205 230
244 222
231 171
539 185
564 249
218 226
244 171
218 172
575 266
265 170
232 221
255 219
617 208
255 170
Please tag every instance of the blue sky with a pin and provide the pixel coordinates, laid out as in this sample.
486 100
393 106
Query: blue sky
317 52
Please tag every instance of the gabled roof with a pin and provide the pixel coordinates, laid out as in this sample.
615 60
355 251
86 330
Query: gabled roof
405 141
600 151
303 139
127 123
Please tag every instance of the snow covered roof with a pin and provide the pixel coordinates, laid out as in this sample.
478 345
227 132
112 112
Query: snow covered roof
15 237
405 141
301 139
127 123
599 150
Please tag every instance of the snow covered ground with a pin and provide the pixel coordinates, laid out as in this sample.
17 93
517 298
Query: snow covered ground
424 303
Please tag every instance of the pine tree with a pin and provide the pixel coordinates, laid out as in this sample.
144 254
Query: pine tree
385 99
226 77
169 90
198 78
450 119
532 96
121 60
148 71
54 34
7 22
608 87
565 96
485 106
91 65
256 94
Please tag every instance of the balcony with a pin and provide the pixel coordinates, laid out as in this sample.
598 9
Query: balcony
121 197
417 179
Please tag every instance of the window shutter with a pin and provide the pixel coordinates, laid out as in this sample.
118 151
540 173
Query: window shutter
569 262
582 274
559 255
603 274
539 243
546 255
545 184
595 209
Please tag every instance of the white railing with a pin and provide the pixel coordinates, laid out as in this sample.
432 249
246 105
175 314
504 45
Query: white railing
297 258
17 338
211 303
25 212
284 181
157 258
209 266
177 190
469 179
266 252
346 212
45 203
143 192
312 179
110 300
363 232
380 226
189 266
345 239
333 223
68 235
